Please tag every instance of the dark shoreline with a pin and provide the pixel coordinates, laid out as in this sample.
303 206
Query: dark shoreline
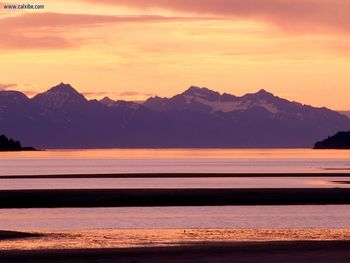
175 175
5 235
172 197
341 182
23 149
263 252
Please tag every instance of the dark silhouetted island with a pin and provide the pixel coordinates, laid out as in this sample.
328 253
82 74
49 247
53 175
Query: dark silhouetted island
339 141
7 145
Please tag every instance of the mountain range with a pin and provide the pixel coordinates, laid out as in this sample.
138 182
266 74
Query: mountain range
197 118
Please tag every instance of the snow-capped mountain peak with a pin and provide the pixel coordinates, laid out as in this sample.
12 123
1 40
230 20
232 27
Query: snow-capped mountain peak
204 93
227 103
204 99
60 96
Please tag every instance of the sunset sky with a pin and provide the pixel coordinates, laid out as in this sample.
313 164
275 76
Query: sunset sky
131 49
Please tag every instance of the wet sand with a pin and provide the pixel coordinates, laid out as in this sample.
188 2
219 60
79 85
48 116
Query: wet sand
171 197
222 245
269 252
9 235
128 238
341 182
181 245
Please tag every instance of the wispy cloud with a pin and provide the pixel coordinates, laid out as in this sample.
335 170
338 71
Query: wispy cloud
132 95
48 20
94 94
304 15
19 87
7 86
56 30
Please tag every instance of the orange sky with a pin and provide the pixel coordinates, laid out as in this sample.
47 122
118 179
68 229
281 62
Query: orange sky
131 49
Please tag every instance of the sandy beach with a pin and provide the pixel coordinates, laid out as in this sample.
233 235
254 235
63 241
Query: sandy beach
127 238
178 245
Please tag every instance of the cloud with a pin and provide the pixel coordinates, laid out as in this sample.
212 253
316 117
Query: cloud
135 94
20 87
304 15
129 94
7 86
49 20
51 30
126 94
95 94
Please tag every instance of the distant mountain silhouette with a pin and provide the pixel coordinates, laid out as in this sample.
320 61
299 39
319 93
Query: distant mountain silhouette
7 144
339 141
205 100
198 118
60 97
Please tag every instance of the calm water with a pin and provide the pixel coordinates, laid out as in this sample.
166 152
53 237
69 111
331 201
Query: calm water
175 161
180 160
57 162
176 217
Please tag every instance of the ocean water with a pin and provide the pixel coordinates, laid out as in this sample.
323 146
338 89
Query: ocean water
174 161
121 161
227 217
118 161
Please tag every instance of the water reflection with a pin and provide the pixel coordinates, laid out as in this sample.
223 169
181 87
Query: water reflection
256 217
174 160
166 237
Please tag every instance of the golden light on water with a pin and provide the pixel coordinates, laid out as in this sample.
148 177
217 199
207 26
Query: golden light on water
181 153
166 237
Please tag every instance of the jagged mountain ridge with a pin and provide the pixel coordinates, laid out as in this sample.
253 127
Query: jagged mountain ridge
200 118
203 99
